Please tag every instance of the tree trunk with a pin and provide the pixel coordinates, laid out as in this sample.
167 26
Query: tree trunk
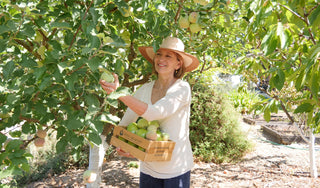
312 153
96 160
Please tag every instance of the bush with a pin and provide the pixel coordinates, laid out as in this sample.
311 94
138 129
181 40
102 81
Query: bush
214 128
244 100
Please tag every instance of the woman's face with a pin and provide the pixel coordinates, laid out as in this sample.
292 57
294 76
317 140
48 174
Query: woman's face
166 62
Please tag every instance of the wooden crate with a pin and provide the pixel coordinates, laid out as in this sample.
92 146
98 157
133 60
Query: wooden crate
153 150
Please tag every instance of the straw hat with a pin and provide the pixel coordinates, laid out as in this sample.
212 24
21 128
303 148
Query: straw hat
175 45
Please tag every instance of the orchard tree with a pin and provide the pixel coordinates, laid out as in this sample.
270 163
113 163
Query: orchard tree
283 52
52 53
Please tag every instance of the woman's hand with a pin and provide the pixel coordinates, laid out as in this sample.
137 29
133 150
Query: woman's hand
110 87
123 153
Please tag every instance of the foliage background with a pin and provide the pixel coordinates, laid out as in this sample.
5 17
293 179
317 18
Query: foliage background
50 52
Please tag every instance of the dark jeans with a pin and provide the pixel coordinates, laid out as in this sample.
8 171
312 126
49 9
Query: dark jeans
182 181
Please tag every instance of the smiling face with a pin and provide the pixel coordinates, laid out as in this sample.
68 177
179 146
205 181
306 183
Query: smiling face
166 62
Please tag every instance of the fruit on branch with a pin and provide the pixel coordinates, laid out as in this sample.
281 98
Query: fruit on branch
127 11
204 2
195 27
193 17
41 133
89 176
184 22
39 142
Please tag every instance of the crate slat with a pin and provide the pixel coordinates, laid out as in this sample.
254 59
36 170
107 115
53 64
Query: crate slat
154 150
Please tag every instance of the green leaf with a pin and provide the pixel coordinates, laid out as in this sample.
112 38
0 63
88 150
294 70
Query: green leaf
120 92
14 145
61 145
279 79
300 80
109 118
64 25
73 124
305 107
314 16
3 138
267 114
8 69
76 140
94 63
95 138
4 29
29 63
315 84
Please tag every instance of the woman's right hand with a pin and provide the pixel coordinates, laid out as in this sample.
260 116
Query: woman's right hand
110 87
123 153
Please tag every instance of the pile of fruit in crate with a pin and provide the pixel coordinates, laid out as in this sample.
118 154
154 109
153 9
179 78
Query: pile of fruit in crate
149 130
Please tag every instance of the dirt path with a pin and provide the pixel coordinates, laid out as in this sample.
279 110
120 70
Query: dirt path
268 165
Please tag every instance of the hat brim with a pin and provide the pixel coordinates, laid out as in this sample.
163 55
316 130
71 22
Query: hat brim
190 61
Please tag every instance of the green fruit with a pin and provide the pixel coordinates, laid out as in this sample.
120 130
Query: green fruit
204 2
151 135
193 17
194 28
132 127
133 144
124 140
142 123
155 123
165 136
107 76
159 138
141 132
141 148
89 176
152 128
184 22
127 12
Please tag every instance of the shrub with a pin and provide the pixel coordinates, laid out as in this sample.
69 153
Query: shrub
215 132
244 100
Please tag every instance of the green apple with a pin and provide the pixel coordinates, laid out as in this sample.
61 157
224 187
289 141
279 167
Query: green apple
127 11
143 123
107 76
155 123
141 148
152 128
165 136
89 176
193 17
184 22
151 135
133 144
122 139
132 127
141 132
203 2
195 27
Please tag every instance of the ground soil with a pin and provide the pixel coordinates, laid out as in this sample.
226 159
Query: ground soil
268 165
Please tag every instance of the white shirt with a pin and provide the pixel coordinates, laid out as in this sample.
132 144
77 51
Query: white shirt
173 113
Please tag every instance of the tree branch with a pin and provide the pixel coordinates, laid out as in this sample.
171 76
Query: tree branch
75 35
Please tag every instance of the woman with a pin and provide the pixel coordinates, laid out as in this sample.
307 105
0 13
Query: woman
166 99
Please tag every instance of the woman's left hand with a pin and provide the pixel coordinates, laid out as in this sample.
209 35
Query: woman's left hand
110 87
